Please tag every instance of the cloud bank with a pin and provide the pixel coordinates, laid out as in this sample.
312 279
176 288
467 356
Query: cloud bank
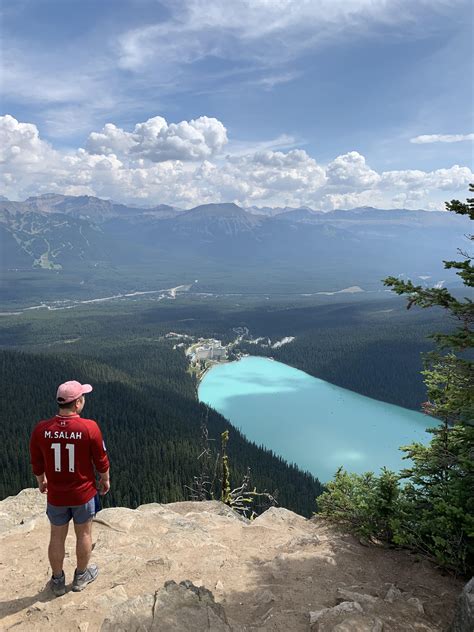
185 164
441 138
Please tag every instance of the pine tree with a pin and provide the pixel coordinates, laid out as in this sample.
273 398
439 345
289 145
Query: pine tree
437 504
463 311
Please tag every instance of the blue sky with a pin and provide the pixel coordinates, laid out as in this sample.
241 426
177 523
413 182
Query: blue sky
321 102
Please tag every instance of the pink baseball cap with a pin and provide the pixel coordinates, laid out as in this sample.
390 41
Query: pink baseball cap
69 391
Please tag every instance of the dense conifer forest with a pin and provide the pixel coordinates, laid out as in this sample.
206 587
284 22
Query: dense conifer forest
145 404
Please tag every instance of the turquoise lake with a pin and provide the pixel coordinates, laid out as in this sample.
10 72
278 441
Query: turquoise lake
310 422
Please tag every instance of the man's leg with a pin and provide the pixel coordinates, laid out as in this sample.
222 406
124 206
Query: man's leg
83 544
56 547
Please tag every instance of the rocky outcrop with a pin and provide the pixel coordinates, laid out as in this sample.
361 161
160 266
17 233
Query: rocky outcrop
201 567
175 608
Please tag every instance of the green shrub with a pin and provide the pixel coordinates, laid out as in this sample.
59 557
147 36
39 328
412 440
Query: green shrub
364 503
437 503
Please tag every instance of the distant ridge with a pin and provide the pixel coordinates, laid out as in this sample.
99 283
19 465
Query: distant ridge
84 207
299 214
83 235
227 209
94 207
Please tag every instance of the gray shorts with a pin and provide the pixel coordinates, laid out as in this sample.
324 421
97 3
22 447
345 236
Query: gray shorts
60 516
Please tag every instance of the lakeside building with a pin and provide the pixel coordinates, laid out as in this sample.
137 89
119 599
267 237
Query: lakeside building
210 352
219 353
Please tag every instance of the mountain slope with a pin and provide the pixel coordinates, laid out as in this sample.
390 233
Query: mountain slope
53 240
215 221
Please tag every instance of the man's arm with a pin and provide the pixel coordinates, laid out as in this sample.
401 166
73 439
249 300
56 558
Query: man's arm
100 459
104 482
42 483
37 463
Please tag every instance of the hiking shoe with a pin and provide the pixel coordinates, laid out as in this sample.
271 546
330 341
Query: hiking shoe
88 576
58 585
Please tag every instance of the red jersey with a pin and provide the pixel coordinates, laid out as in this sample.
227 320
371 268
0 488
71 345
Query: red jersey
66 449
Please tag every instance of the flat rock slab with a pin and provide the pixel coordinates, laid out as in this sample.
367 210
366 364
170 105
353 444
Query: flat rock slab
175 608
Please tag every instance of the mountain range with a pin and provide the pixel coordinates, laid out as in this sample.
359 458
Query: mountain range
79 234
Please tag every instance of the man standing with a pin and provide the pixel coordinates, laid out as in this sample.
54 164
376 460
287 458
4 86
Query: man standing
64 451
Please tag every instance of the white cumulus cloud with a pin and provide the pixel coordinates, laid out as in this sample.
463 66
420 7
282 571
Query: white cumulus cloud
351 170
267 175
159 141
110 140
20 143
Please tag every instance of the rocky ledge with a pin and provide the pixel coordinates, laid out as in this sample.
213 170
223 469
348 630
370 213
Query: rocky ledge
193 567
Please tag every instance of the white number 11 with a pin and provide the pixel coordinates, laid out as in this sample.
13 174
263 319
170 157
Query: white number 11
57 456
